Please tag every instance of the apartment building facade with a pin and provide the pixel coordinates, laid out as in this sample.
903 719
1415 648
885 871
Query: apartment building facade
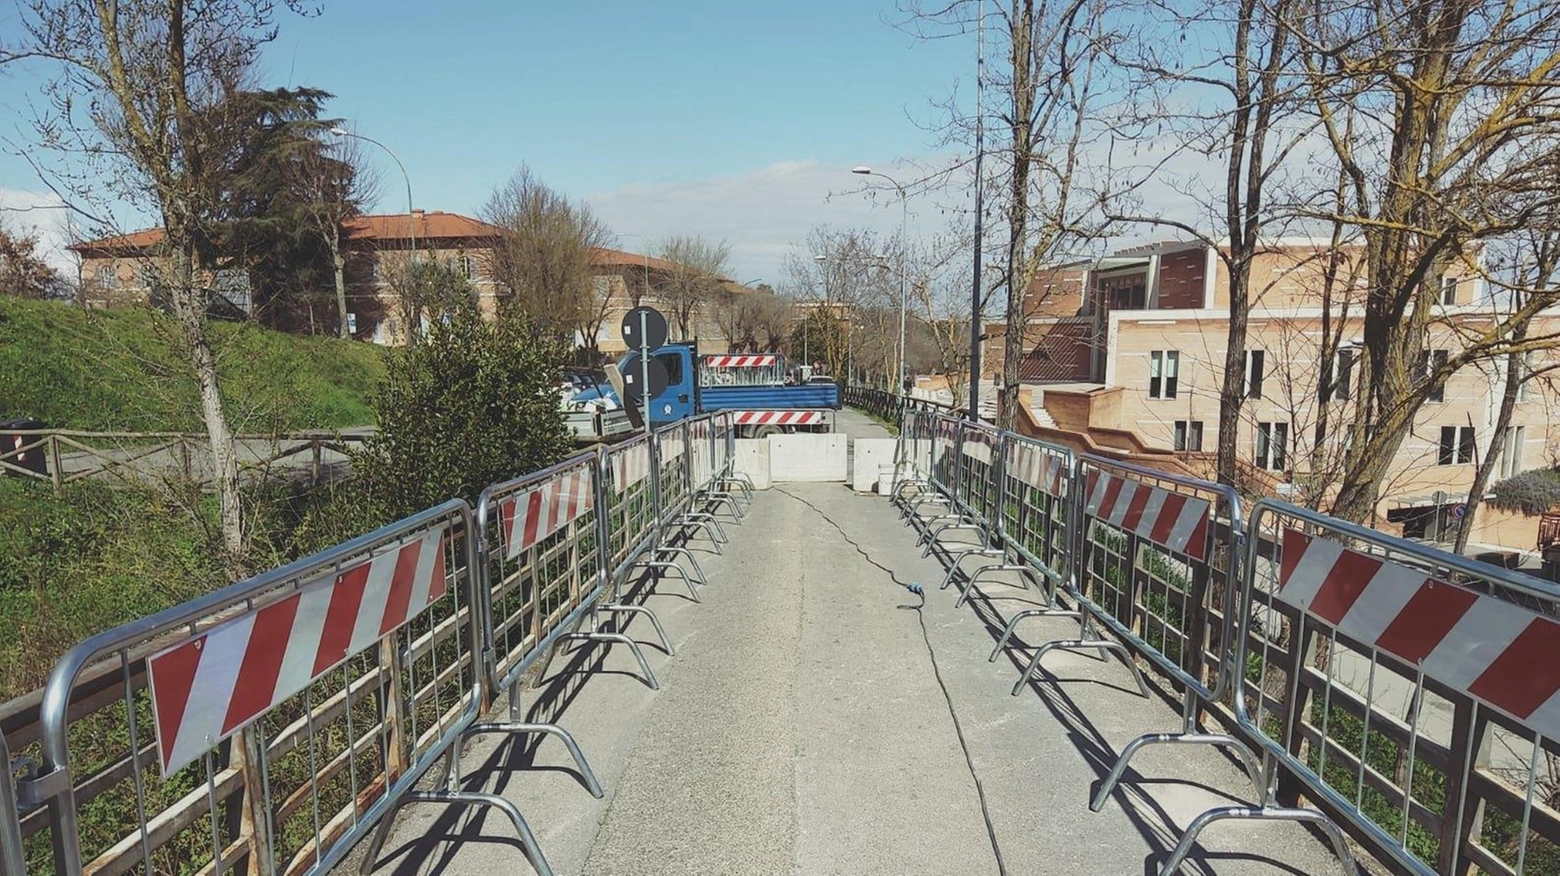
122 270
1136 343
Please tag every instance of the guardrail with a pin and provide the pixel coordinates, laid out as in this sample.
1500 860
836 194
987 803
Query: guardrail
273 724
1369 685
62 456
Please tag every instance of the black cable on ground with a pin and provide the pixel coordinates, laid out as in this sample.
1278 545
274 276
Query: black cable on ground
931 652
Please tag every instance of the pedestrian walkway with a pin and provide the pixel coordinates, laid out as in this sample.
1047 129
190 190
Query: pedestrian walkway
806 726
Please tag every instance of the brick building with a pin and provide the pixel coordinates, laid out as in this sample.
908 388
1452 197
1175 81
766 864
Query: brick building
1126 354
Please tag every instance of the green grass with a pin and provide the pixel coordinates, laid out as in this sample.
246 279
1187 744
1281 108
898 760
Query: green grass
122 370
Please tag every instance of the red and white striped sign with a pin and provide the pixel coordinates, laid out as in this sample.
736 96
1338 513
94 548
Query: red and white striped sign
209 687
1034 466
1167 518
980 445
739 361
532 515
1503 654
947 431
779 418
630 464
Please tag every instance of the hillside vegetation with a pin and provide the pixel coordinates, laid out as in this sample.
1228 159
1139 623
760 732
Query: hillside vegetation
121 370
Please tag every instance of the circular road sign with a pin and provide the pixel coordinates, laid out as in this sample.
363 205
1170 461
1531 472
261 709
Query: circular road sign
633 379
1460 510
654 329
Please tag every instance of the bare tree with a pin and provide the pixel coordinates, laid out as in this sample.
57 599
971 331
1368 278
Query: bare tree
334 184
834 271
137 96
773 317
1445 118
545 255
694 278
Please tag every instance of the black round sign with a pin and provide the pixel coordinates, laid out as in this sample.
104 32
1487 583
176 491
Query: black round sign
633 378
654 329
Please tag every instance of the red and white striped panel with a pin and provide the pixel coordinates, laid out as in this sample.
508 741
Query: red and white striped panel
207 688
1036 467
1167 518
630 465
779 418
671 446
534 514
739 361
1500 653
947 432
980 445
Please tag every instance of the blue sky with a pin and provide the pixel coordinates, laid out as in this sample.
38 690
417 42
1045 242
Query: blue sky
733 120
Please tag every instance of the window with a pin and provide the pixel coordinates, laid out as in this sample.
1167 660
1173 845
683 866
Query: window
1342 373
1511 451
1164 368
1524 376
1448 290
106 276
466 263
1272 444
1256 367
1430 362
1188 434
1456 446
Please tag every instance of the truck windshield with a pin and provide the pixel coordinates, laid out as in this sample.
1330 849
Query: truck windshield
674 367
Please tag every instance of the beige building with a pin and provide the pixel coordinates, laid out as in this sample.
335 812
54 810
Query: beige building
1126 354
121 270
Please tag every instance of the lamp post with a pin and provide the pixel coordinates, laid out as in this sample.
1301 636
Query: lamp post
411 226
864 170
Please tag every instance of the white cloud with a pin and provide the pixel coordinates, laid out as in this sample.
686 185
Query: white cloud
43 214
762 213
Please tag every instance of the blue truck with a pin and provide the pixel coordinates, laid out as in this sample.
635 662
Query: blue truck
766 394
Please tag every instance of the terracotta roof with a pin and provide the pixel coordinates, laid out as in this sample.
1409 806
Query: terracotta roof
437 225
614 258
133 242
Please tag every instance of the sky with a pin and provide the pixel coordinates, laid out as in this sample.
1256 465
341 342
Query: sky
735 121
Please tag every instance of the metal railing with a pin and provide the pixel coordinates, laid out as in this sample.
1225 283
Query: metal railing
272 725
1368 685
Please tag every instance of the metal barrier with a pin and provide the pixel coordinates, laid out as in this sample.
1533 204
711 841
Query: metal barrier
633 524
1037 524
676 488
1411 694
288 713
13 859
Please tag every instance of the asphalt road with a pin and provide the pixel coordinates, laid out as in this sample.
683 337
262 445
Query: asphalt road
805 727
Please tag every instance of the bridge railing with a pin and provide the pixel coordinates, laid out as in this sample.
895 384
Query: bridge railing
1369 685
273 724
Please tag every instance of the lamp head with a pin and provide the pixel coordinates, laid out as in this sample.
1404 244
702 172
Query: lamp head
861 168
340 132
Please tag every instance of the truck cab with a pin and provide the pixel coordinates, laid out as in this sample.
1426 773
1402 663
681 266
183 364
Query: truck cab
764 395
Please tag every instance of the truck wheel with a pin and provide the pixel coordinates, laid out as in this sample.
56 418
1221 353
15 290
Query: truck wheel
766 431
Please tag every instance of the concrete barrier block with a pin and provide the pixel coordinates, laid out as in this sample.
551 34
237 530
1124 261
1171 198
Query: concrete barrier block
871 456
752 459
808 457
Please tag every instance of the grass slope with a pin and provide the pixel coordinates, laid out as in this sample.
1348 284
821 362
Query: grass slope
113 370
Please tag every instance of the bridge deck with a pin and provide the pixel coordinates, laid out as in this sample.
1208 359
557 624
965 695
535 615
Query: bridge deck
801 728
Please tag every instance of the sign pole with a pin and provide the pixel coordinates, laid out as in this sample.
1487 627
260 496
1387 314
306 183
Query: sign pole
644 365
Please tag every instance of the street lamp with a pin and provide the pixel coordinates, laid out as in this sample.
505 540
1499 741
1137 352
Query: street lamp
411 227
864 170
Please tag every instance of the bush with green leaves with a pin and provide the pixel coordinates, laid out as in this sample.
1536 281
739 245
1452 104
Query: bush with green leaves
473 403
1528 492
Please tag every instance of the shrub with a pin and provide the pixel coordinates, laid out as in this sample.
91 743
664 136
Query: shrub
473 403
1529 492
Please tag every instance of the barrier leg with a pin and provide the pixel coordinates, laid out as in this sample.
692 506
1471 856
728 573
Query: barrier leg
719 499
621 639
1306 816
462 798
1075 644
1247 759
706 517
953 568
931 543
666 565
1012 624
671 550
666 644
1025 574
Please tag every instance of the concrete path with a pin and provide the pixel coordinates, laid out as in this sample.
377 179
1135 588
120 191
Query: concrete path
805 727
858 425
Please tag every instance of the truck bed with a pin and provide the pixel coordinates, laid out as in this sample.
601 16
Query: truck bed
778 398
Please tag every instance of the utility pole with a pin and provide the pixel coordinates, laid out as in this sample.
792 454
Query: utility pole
980 151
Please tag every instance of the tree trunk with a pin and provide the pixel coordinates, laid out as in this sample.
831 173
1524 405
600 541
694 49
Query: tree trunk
1018 254
1508 405
190 309
1232 396
339 273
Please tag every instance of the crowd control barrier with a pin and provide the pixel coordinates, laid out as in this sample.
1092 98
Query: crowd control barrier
1369 685
270 726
